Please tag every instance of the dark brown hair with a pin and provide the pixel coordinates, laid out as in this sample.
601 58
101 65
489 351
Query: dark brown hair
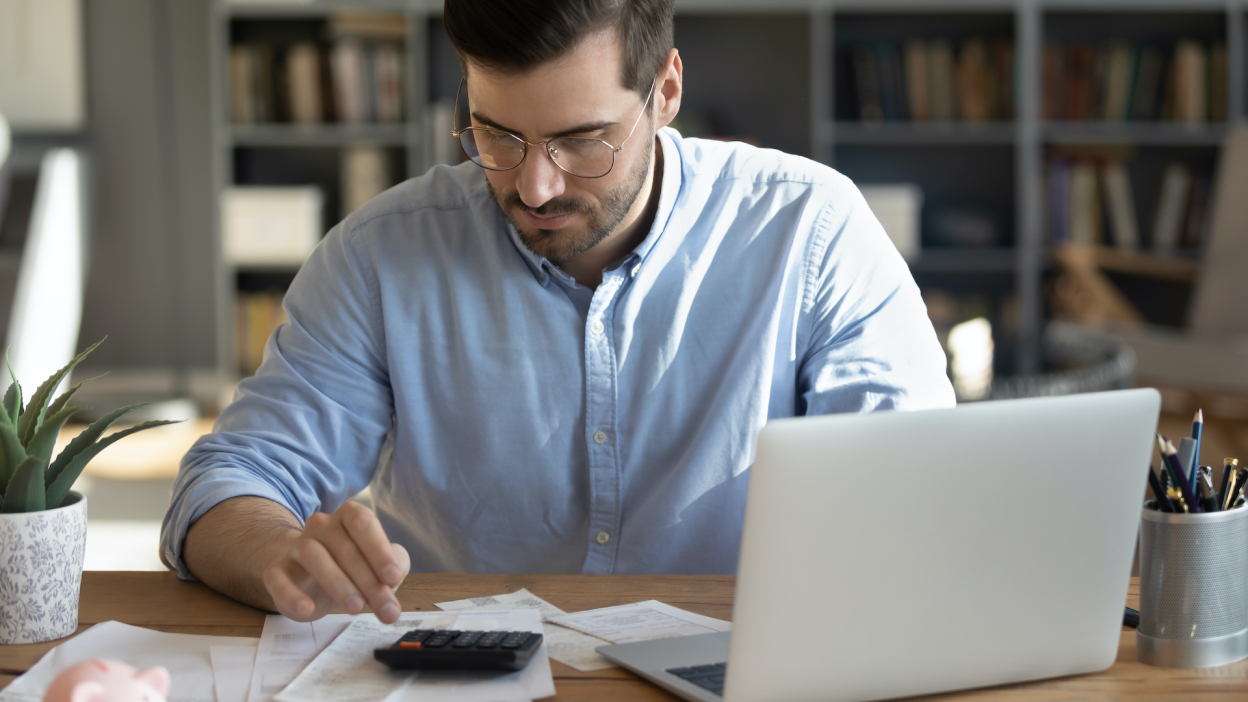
513 36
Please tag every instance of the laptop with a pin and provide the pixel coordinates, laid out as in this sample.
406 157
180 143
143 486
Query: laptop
903 553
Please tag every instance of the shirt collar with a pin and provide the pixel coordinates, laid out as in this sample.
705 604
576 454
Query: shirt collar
543 269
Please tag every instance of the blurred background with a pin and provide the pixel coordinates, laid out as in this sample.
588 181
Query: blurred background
1066 179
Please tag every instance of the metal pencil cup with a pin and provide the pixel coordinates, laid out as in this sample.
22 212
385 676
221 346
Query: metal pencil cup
1193 588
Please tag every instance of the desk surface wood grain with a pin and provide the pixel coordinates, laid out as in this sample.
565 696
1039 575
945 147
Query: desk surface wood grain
160 601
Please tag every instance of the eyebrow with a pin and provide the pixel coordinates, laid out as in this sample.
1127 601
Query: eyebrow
578 129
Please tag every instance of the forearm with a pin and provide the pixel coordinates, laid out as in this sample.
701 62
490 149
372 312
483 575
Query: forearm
231 545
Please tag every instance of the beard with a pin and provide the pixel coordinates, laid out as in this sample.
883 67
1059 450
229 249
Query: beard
561 245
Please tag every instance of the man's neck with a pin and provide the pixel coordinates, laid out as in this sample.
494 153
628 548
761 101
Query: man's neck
588 267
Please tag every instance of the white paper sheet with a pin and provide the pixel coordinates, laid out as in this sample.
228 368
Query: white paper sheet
187 657
286 646
231 671
346 671
568 646
642 621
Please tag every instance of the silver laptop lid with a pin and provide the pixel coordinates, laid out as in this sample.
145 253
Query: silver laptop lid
900 553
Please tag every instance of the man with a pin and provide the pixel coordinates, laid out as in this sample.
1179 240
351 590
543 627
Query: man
554 358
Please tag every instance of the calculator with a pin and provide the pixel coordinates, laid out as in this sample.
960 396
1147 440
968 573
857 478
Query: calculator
437 648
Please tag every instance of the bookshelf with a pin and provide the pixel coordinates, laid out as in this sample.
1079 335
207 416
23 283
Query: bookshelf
785 74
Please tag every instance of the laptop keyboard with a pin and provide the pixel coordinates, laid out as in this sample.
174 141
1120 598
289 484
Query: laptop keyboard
709 677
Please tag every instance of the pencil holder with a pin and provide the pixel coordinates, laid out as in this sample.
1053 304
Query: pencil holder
1193 588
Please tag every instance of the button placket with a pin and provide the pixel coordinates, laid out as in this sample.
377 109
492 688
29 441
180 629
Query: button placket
600 414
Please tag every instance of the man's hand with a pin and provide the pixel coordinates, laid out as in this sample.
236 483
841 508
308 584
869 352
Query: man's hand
342 559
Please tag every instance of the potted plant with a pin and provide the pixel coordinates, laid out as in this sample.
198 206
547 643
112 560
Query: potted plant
43 524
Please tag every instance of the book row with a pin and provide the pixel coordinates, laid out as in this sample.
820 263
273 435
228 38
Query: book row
348 81
1121 81
933 80
1092 202
259 313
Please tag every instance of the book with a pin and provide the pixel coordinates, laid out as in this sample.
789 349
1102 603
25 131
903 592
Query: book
943 85
347 65
242 93
365 175
867 84
1195 220
388 83
918 81
1085 205
1218 99
368 25
892 83
1191 101
1003 71
258 315
304 81
1057 200
1176 184
1147 88
1120 204
1117 92
1053 59
974 91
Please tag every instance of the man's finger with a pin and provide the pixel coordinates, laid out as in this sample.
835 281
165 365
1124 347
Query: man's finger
365 530
313 556
288 597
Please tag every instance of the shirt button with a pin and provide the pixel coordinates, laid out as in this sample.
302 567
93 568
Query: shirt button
603 537
597 327
600 437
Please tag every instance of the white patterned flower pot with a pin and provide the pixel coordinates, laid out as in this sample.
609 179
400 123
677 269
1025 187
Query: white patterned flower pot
41 570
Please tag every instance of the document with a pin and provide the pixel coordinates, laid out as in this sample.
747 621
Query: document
567 646
187 657
231 671
642 621
286 646
346 671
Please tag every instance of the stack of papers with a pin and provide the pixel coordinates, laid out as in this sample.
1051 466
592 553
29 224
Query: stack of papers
188 658
331 659
574 638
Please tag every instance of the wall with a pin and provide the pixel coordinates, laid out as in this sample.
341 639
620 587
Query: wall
131 293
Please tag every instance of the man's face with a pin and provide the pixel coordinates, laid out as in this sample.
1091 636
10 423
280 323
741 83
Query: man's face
558 215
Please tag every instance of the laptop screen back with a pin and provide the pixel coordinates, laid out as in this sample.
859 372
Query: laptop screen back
893 554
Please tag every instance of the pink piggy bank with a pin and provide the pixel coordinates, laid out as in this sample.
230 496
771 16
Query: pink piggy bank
97 680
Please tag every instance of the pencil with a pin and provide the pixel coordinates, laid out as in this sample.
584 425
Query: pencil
1170 457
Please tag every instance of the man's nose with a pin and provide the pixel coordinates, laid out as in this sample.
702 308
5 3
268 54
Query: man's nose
539 179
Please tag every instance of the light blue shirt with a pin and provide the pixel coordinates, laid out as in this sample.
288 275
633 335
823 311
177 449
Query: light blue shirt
508 419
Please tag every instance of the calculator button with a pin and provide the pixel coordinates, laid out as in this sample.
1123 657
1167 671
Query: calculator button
410 644
466 639
530 642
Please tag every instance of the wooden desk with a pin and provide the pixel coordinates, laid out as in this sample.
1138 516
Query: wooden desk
160 601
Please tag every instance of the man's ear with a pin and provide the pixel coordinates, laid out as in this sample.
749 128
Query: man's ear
668 89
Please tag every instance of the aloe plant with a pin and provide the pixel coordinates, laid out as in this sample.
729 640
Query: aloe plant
30 479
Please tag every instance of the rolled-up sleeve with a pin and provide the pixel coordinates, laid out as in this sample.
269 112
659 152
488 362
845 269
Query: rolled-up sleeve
307 429
870 345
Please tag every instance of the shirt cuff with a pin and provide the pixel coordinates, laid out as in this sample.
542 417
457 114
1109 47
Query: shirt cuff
200 494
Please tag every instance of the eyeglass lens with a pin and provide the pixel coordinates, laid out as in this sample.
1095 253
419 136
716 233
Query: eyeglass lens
489 148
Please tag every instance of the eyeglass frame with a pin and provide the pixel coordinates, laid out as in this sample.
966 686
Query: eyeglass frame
553 159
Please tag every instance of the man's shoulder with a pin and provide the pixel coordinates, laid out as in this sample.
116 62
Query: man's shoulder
723 161
442 191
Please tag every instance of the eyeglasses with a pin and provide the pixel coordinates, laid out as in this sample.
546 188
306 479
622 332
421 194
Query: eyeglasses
496 150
